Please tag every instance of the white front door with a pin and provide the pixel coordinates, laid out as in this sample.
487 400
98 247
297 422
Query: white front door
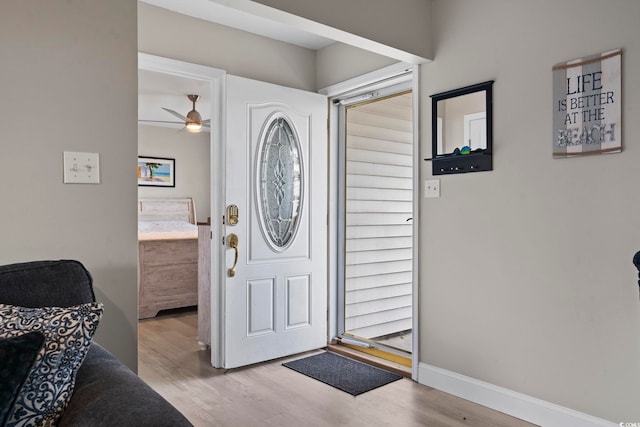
275 297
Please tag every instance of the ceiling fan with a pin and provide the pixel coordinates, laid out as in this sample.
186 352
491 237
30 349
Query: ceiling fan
192 121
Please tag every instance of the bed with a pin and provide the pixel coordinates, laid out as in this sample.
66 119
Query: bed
167 255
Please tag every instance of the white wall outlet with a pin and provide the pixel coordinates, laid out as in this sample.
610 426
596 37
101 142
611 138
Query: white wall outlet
81 168
431 188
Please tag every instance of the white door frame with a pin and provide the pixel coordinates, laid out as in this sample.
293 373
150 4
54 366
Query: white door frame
380 78
216 79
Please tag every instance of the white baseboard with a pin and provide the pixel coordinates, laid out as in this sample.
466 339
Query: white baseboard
516 404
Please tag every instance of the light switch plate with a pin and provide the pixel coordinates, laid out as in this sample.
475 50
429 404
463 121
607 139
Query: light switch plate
81 168
431 188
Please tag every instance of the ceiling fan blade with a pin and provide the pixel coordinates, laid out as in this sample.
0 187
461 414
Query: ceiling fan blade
178 115
206 122
160 121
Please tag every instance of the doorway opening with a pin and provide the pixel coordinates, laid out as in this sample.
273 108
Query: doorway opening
376 232
162 80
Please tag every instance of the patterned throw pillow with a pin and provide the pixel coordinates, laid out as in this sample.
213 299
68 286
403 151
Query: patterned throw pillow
17 356
68 333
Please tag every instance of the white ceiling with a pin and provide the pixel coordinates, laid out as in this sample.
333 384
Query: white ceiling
152 83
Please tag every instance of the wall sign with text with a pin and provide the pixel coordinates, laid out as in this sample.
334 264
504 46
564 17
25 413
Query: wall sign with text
587 100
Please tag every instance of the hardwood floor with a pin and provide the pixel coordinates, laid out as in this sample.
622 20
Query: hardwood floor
268 394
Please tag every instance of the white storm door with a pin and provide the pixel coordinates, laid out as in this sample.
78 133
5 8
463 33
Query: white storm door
276 174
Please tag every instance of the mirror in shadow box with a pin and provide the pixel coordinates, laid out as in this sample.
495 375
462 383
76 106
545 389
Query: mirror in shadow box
462 130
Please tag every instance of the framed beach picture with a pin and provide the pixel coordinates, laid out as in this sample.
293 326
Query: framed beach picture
156 171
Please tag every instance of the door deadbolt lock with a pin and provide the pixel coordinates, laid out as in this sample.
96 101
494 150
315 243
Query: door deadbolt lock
232 215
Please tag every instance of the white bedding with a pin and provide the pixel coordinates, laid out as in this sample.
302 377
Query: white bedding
160 230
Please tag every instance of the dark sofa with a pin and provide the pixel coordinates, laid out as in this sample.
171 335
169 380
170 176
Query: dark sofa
107 393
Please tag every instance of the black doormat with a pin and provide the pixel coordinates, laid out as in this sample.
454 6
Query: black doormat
342 373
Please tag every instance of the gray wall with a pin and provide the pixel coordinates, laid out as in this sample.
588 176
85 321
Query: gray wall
68 81
191 152
237 52
339 62
527 280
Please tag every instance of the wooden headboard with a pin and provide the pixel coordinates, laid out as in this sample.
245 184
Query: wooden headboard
167 210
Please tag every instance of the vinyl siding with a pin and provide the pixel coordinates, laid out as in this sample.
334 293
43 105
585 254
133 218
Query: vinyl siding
378 246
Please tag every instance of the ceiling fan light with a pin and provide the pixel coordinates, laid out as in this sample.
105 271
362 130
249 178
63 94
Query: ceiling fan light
193 126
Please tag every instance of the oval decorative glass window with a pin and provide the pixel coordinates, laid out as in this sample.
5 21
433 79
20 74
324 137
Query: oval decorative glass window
279 175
